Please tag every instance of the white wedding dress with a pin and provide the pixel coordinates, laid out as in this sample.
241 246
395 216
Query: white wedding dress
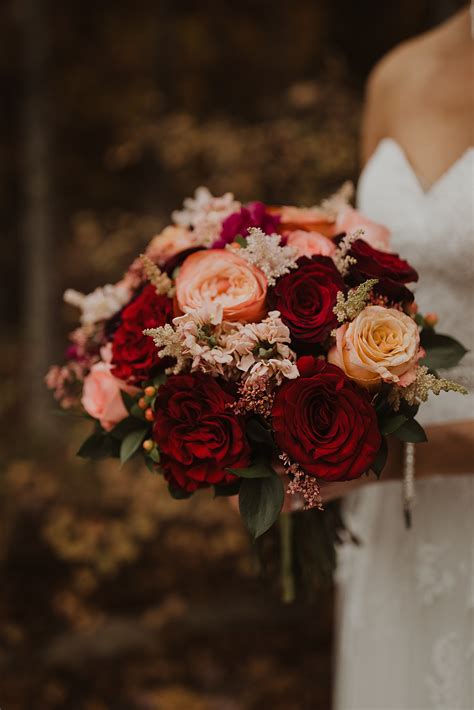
405 609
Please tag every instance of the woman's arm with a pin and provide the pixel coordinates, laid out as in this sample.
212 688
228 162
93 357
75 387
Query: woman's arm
448 451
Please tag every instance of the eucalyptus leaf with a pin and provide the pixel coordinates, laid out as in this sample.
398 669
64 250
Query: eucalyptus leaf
131 444
260 503
126 426
412 432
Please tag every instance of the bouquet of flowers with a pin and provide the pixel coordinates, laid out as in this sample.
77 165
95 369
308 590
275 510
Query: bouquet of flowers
257 351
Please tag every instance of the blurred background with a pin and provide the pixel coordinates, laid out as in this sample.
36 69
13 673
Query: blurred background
113 595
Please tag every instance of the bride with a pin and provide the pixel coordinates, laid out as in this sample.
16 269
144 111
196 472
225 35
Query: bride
406 597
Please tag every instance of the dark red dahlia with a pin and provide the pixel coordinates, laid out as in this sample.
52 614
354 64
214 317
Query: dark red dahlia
392 272
134 355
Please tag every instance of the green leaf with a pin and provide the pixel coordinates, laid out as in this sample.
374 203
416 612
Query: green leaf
150 465
241 241
178 493
99 446
126 426
381 458
159 380
131 444
411 431
389 425
259 469
260 502
155 455
231 489
258 433
442 351
137 412
127 399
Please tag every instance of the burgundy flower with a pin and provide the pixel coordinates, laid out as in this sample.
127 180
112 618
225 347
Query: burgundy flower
325 423
197 434
306 298
252 215
134 355
392 271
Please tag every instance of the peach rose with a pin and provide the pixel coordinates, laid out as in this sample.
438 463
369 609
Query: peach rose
169 242
311 243
306 218
101 396
377 235
222 277
380 345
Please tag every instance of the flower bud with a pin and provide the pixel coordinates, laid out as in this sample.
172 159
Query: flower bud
431 319
148 444
149 415
150 391
142 403
412 308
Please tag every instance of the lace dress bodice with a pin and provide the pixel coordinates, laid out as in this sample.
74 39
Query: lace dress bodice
406 597
434 230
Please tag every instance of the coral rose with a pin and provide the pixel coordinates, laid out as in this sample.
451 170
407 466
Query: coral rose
221 277
310 243
380 345
101 395
377 235
309 219
325 423
198 435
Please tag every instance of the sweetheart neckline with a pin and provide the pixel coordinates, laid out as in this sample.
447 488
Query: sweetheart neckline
425 192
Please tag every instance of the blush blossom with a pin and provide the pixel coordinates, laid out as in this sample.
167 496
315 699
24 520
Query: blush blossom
350 220
380 345
310 243
221 277
101 396
170 242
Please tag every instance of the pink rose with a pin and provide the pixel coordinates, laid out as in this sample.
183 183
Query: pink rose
169 242
380 345
311 243
101 396
221 277
377 235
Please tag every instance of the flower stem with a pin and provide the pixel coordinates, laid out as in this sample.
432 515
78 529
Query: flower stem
287 579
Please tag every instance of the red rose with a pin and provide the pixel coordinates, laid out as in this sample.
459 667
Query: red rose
325 423
197 434
134 355
306 298
391 271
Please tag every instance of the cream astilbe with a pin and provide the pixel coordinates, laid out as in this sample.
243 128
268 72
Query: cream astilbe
420 389
342 259
159 279
348 307
336 202
265 252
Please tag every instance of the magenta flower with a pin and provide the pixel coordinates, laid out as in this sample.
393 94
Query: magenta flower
254 214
